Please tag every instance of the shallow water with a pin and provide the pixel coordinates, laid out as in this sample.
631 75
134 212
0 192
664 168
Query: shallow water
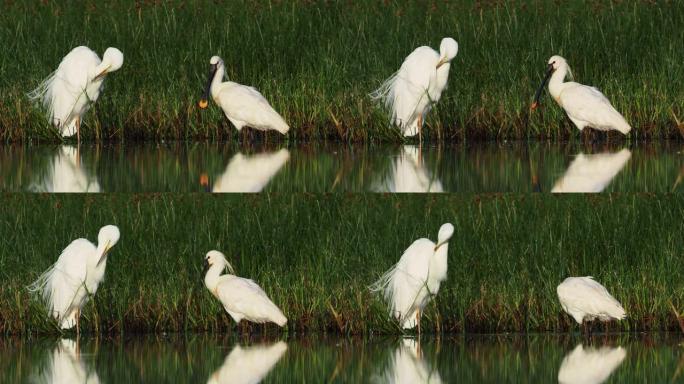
220 167
652 358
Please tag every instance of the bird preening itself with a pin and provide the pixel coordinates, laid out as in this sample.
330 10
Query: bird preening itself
241 298
68 92
244 106
586 106
585 299
417 85
410 284
67 285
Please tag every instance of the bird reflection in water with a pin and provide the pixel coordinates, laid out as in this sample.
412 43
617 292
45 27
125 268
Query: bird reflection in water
590 365
248 364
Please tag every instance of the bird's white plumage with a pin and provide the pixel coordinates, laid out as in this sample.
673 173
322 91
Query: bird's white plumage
583 298
241 298
586 106
409 285
410 175
590 365
65 366
248 365
250 174
66 174
66 286
69 91
243 105
592 173
408 366
409 93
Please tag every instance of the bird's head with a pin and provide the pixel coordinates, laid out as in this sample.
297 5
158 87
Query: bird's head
107 238
445 233
217 258
112 60
552 65
448 49
214 64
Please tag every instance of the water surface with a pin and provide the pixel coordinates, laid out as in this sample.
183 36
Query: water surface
220 167
621 358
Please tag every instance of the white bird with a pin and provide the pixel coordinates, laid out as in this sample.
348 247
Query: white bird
66 174
65 366
241 298
243 105
250 174
585 299
68 92
586 106
408 366
591 365
419 83
66 286
410 284
592 173
410 175
248 365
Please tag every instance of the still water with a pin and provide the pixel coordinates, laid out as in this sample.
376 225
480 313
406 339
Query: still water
643 358
220 167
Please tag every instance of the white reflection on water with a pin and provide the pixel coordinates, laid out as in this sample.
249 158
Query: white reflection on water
592 173
248 364
590 365
65 174
408 365
245 174
64 366
409 174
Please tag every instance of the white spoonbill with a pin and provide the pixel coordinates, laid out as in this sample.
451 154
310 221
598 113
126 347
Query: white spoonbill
590 365
250 174
248 365
68 92
585 299
586 106
79 270
241 298
418 84
592 173
243 105
411 283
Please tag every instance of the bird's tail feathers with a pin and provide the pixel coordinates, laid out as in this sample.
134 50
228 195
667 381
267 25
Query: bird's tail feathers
42 287
383 285
42 95
384 95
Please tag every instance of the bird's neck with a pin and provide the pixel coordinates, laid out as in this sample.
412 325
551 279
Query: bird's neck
217 80
211 279
556 82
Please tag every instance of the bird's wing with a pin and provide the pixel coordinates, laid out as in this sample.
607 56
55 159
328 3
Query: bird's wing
588 104
588 295
410 275
244 296
64 281
248 105
410 90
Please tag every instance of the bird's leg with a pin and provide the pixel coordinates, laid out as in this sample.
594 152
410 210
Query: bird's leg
78 132
418 322
78 323
420 130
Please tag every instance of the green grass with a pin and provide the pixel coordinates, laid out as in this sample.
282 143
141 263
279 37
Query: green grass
316 255
317 61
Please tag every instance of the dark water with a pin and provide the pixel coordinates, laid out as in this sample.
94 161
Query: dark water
645 358
489 167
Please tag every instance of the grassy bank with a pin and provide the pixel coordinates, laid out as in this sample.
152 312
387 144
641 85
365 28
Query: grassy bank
317 61
315 257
